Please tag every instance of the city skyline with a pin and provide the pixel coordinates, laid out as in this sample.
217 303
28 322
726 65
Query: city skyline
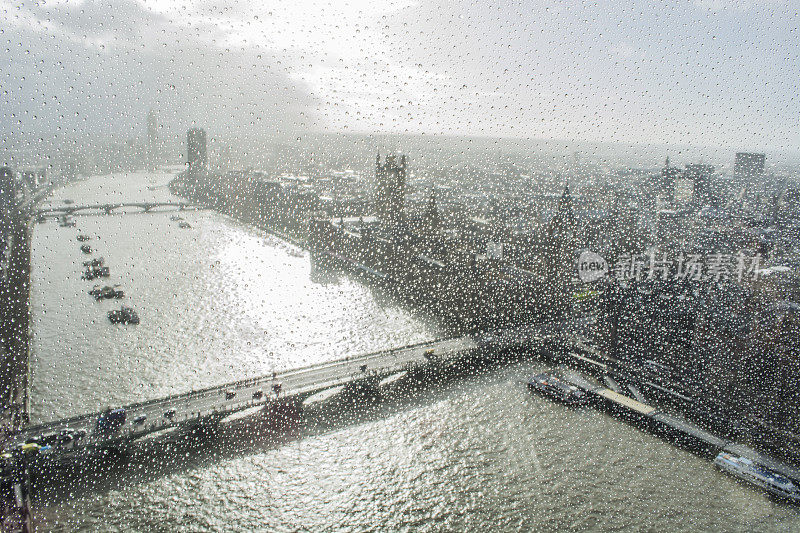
399 265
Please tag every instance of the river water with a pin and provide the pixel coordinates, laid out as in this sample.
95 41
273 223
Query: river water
222 301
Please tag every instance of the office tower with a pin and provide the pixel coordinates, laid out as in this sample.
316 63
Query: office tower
669 178
196 150
748 167
391 189
562 242
8 191
700 177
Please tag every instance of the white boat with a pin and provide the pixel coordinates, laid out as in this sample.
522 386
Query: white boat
758 475
550 385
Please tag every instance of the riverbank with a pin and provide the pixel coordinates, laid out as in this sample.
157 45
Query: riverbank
294 234
15 322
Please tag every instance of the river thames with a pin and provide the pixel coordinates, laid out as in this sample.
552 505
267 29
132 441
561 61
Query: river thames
221 301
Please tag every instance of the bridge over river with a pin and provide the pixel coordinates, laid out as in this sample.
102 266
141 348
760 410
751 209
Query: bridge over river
282 393
215 403
108 209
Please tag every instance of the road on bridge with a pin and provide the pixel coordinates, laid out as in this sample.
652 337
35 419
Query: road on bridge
107 209
294 384
298 384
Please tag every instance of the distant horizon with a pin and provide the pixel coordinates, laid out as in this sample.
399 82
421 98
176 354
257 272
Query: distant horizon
678 154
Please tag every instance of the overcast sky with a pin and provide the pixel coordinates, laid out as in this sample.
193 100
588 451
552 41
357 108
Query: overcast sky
720 73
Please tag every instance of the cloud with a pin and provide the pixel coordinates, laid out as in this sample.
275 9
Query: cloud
737 5
630 71
98 67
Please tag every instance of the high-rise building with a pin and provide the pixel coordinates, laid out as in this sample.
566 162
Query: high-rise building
8 191
669 178
196 157
563 224
700 176
391 189
748 167
562 241
153 147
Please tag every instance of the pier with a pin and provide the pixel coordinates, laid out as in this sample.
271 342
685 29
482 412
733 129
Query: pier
675 429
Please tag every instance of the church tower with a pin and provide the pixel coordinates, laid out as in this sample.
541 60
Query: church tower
562 226
559 260
390 192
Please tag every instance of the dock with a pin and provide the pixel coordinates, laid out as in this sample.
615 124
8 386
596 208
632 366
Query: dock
673 427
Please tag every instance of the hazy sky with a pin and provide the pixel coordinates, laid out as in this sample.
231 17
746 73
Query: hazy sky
721 73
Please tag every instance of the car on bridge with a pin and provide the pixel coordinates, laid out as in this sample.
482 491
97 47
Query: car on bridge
30 448
139 420
230 394
169 414
257 395
111 420
68 436
43 440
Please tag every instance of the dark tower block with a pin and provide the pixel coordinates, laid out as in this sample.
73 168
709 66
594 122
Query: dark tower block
748 167
8 190
700 176
748 173
669 177
153 146
431 220
561 233
391 189
196 150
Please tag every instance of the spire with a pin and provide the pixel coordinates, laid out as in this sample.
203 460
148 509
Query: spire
432 200
565 203
564 218
433 222
666 163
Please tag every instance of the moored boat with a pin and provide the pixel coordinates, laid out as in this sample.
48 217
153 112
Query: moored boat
96 272
106 293
758 475
556 388
66 222
123 315
99 261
